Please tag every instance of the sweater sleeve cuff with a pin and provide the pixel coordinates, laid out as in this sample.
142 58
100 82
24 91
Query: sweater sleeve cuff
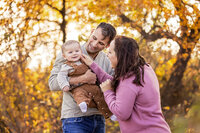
107 92
93 65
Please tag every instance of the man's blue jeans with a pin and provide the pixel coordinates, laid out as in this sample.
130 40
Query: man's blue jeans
85 124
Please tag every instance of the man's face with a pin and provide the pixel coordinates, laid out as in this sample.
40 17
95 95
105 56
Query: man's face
96 42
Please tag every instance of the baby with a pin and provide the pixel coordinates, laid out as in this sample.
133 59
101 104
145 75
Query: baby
85 95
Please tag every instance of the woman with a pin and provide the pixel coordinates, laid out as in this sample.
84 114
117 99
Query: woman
132 94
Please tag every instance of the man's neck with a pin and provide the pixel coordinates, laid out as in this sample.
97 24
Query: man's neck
93 55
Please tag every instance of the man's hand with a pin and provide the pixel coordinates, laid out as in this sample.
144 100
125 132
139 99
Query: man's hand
90 77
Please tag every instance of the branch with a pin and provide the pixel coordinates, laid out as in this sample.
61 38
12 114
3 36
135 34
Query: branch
28 18
148 36
54 8
161 34
125 19
41 33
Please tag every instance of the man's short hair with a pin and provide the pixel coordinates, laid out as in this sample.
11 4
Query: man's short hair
107 31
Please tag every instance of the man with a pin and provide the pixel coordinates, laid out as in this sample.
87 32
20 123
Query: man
73 120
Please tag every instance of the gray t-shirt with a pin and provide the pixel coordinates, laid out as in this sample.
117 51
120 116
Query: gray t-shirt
69 106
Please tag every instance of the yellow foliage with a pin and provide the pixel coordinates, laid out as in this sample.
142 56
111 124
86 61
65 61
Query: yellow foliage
171 62
160 71
33 98
166 108
24 93
35 108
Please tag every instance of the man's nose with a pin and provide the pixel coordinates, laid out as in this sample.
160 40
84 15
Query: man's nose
95 43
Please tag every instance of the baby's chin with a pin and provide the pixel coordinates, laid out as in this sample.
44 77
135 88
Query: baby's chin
74 60
77 60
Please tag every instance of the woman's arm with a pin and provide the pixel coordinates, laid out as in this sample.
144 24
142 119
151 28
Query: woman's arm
101 74
121 103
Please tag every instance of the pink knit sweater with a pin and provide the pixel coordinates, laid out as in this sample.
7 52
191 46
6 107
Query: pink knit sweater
137 108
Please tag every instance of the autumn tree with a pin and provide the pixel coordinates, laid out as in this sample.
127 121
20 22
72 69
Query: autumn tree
25 27
27 105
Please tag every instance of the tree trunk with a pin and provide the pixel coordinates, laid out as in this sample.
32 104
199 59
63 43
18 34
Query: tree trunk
173 91
63 24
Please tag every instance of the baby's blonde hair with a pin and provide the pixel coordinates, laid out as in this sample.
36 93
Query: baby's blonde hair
67 43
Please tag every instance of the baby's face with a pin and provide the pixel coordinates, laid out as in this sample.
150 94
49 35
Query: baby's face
72 52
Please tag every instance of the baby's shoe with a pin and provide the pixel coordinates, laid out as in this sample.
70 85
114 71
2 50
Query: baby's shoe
83 107
113 118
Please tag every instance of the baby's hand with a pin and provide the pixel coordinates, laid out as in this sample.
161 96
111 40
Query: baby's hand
66 88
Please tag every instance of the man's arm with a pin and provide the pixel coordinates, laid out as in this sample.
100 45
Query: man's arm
62 77
89 77
53 83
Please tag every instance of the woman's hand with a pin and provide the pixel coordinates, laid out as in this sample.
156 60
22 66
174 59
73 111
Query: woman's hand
106 85
88 61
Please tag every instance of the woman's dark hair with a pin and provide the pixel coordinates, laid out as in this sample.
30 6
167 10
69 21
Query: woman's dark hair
129 61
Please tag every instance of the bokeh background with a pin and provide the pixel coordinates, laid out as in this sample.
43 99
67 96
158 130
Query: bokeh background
32 32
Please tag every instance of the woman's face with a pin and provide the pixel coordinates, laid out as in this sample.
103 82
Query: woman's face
111 54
